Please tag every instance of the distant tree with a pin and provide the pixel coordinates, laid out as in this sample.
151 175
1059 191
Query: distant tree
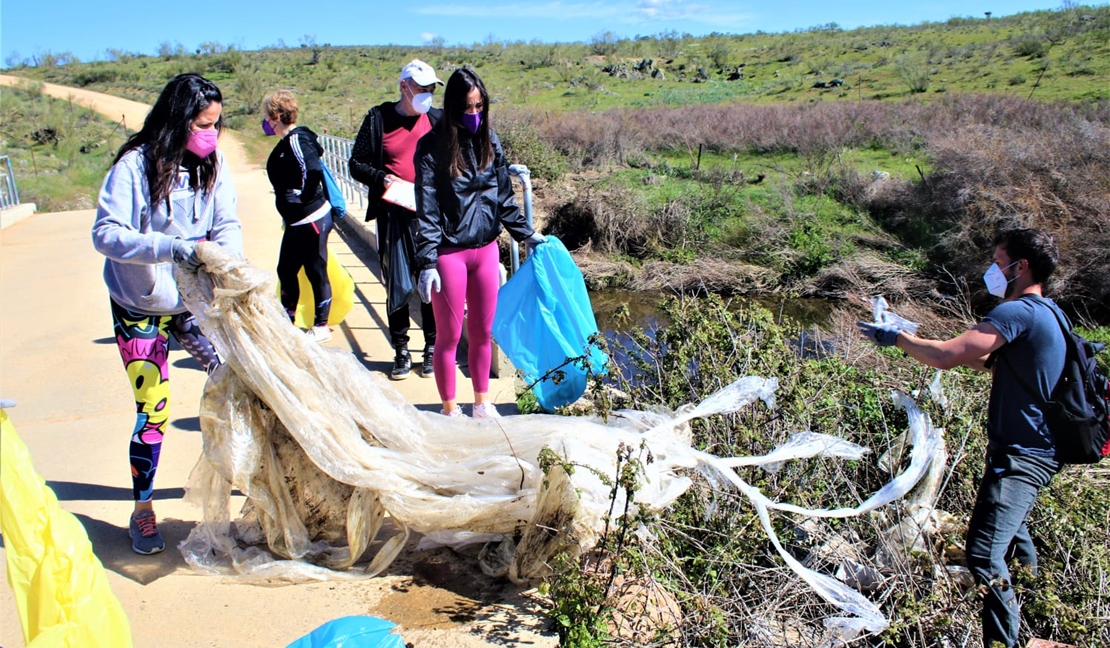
168 50
211 47
913 69
717 50
13 60
604 44
668 43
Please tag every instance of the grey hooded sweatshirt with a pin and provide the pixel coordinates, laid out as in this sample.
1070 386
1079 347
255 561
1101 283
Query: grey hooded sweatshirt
137 237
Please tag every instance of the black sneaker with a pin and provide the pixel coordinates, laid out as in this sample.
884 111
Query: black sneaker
427 368
402 365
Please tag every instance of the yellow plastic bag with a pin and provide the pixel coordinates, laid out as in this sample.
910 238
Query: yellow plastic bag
61 589
342 295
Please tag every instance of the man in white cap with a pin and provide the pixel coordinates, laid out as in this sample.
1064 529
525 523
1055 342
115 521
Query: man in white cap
383 154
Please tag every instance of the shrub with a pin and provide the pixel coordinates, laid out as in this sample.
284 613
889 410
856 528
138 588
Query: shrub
709 552
1030 48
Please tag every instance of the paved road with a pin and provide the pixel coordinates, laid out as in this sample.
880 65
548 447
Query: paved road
75 413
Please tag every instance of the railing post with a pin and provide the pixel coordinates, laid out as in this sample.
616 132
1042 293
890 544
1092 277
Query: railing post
522 173
9 191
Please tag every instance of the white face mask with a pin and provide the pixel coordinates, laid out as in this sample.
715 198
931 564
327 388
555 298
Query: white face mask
996 281
422 102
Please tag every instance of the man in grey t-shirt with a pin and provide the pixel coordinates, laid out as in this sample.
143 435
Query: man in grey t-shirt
1020 341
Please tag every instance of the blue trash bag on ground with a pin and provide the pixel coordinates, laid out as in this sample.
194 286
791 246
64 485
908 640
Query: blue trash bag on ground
543 317
352 632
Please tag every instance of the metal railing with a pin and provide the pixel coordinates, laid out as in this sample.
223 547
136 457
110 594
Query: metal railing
9 192
337 151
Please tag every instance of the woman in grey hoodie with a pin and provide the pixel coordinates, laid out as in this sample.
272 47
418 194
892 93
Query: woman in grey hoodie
168 189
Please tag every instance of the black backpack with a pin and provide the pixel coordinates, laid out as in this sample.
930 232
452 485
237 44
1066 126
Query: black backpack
1077 410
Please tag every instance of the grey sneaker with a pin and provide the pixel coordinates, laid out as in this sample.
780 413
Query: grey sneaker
145 537
402 365
455 413
427 367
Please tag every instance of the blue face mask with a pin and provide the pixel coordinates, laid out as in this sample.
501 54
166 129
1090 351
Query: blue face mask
267 128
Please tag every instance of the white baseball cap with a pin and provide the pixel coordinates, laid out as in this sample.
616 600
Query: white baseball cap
420 72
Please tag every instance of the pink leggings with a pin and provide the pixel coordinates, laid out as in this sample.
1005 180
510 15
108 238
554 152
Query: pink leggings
469 282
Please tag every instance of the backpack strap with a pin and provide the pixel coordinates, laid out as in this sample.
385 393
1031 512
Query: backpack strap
1065 328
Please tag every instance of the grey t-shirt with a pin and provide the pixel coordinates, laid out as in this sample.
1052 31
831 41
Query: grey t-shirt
1035 349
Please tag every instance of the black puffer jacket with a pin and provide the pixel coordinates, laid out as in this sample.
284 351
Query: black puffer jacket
297 175
467 211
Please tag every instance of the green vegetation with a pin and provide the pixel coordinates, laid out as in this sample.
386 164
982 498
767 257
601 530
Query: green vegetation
1062 53
820 163
59 151
709 554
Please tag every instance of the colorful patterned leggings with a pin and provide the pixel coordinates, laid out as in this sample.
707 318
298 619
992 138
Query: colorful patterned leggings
143 342
470 279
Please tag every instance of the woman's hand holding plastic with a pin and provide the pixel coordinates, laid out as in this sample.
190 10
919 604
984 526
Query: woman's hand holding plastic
185 255
428 277
535 239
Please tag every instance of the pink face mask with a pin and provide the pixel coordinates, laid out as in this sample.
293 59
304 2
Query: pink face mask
202 142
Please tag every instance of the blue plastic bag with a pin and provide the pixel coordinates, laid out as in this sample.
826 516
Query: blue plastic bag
335 194
544 317
352 632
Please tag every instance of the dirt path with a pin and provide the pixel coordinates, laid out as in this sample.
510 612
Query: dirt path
75 410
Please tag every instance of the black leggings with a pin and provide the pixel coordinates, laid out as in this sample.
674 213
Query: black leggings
306 246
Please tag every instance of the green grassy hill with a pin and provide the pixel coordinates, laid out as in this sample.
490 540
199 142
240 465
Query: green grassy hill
822 162
1047 54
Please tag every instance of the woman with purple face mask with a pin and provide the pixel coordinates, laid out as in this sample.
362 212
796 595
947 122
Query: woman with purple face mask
463 198
297 175
168 189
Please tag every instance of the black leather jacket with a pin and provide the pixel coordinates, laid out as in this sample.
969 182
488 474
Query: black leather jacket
467 211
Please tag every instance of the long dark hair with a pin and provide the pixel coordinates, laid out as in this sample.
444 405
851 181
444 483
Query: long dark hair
166 132
451 157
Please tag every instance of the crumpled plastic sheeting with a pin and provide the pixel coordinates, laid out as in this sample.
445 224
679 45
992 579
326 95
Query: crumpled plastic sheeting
323 449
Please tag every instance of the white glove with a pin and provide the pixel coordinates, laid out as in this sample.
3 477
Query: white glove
185 255
428 277
535 239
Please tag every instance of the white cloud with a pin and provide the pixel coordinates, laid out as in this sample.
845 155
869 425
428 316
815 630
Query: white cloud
427 37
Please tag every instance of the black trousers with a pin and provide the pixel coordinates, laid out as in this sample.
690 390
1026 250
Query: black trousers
306 246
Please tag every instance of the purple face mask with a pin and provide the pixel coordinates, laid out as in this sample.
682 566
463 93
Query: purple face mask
267 128
203 142
472 121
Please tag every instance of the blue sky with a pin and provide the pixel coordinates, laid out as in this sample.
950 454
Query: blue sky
88 29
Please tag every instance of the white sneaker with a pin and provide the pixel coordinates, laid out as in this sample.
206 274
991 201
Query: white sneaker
319 334
485 410
455 413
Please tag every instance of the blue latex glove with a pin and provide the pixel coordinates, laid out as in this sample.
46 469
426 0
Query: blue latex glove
883 335
429 277
185 255
535 239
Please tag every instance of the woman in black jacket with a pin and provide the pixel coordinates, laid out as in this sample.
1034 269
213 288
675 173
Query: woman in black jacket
463 197
297 175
